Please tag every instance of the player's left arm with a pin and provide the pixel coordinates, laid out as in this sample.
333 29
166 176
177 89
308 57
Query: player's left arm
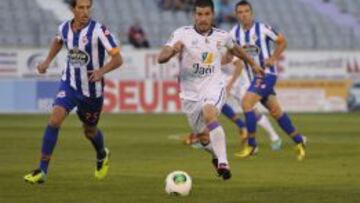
115 62
280 46
113 50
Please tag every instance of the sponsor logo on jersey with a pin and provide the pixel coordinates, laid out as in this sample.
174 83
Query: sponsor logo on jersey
78 58
252 50
207 58
203 71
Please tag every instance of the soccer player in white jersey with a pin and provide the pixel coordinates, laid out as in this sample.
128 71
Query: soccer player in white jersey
237 84
236 87
255 38
202 93
81 86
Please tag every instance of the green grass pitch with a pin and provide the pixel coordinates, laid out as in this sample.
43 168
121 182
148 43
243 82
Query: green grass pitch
143 154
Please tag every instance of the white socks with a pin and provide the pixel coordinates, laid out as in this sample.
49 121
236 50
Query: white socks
217 140
265 123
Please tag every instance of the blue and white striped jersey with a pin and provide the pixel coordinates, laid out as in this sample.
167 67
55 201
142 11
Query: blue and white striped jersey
86 52
256 42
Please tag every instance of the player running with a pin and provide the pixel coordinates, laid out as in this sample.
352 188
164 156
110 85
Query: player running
237 85
202 86
82 84
255 38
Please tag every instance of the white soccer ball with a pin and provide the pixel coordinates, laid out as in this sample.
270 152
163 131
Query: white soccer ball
178 183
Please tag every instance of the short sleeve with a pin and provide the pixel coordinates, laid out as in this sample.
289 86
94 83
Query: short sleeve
60 32
108 40
175 37
229 42
270 32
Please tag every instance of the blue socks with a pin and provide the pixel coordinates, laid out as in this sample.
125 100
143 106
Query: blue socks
229 112
286 124
48 145
251 122
49 142
252 142
98 143
239 123
298 139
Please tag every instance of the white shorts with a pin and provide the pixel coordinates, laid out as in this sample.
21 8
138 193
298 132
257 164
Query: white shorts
193 109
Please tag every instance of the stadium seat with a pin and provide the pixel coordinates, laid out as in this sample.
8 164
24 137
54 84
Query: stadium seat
304 27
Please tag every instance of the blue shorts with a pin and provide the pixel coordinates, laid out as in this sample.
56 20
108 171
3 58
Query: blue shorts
263 86
88 109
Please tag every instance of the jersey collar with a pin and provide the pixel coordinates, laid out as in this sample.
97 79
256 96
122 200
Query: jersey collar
252 25
87 24
210 33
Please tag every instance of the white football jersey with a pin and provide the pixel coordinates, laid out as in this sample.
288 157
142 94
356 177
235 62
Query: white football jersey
200 61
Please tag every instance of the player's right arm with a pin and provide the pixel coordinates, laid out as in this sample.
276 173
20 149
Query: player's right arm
173 46
167 52
54 50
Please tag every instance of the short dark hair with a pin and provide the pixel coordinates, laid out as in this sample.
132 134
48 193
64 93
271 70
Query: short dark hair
204 3
72 3
243 3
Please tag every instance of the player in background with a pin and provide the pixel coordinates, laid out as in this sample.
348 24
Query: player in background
82 84
237 85
255 38
202 89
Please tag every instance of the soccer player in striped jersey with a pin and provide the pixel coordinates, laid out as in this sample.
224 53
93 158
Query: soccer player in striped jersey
201 82
236 87
255 38
82 84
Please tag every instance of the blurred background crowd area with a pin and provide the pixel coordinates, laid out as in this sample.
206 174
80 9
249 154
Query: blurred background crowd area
307 24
